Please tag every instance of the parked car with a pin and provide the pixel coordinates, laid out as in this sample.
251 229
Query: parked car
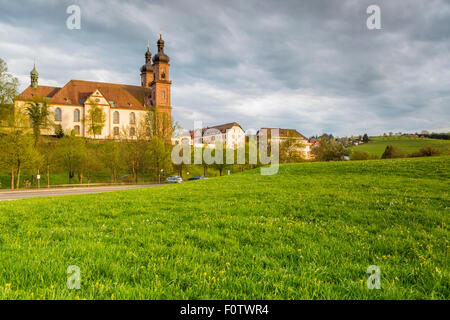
174 179
197 178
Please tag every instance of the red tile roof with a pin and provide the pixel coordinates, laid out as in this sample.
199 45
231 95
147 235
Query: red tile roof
287 132
224 127
41 91
75 92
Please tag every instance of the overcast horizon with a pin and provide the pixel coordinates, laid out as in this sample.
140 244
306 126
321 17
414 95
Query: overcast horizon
313 65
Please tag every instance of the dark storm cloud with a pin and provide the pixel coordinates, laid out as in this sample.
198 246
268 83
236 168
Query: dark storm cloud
310 65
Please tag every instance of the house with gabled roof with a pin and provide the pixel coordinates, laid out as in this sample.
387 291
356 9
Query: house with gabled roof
230 134
298 141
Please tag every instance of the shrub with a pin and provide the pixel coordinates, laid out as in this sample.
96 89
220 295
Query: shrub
329 150
427 151
362 155
392 152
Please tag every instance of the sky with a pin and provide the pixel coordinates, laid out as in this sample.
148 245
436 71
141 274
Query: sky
311 65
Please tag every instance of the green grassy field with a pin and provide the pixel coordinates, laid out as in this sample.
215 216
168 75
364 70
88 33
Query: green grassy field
377 145
309 232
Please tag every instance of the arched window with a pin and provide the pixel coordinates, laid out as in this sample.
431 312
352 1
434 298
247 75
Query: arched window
76 115
132 131
132 118
58 114
77 129
116 117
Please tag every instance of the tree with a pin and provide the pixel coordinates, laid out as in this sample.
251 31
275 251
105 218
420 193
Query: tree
112 158
328 149
291 148
95 119
89 164
18 154
8 91
70 151
365 138
49 157
392 152
39 113
134 149
160 157
219 154
159 124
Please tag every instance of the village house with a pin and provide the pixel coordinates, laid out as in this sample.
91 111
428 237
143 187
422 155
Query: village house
230 134
299 142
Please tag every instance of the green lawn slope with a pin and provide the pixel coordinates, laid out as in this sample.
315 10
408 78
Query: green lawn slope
377 145
309 232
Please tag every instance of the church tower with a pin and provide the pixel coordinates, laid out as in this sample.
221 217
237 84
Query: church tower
161 84
34 77
147 69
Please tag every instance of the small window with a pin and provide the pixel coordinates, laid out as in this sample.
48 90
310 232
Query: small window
116 117
77 130
76 115
132 118
58 114
132 131
116 131
163 94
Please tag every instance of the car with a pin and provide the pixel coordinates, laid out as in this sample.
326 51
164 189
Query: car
197 178
174 179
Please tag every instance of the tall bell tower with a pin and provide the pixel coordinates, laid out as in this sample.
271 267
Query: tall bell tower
161 84
147 69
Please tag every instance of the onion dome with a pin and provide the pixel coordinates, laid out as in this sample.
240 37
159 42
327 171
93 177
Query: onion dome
161 56
34 72
147 67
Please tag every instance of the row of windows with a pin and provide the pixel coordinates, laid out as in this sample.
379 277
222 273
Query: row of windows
77 116
116 130
116 118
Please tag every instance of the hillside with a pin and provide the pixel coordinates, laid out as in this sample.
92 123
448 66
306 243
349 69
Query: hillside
309 232
377 145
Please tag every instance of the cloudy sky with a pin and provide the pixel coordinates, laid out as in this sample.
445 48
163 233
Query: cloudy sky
312 65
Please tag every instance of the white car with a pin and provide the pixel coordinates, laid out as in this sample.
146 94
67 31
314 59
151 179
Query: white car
174 179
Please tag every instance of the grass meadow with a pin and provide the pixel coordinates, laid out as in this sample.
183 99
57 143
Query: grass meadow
377 145
309 232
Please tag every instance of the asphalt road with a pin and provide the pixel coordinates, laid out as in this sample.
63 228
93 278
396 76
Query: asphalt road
44 192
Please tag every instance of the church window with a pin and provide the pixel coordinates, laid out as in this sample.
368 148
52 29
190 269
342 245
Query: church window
132 131
77 129
116 117
163 94
116 131
58 114
132 118
76 115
